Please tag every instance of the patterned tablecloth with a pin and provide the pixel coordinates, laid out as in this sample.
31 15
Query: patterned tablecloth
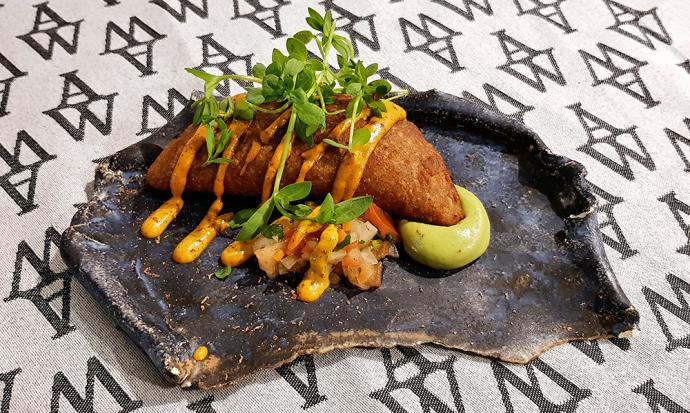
605 82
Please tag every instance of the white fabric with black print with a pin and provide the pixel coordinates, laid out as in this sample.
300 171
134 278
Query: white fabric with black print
604 82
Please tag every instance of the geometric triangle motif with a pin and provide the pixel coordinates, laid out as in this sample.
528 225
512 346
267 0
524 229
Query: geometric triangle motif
13 160
385 73
620 71
266 17
309 390
685 65
95 370
440 48
423 367
520 56
592 349
349 23
533 391
676 140
605 204
682 311
47 279
549 10
215 55
8 379
496 97
167 111
82 99
109 3
467 12
621 343
312 55
132 51
48 23
678 208
5 83
637 24
655 398
180 13
599 132
204 405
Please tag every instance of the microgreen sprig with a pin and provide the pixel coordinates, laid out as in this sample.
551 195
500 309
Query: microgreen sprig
306 83
223 273
213 114
283 200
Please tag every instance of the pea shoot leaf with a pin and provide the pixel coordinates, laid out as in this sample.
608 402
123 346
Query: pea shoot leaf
305 36
259 70
223 273
243 111
296 49
311 114
210 141
294 192
258 219
361 137
326 211
350 209
344 243
272 231
241 217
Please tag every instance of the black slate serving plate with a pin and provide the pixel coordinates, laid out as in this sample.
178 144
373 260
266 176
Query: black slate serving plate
544 280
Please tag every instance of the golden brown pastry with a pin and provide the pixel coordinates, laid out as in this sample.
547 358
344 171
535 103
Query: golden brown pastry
405 174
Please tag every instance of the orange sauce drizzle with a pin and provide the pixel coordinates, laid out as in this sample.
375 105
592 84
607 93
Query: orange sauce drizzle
316 280
304 228
159 219
196 241
311 156
272 168
352 167
237 253
267 134
251 155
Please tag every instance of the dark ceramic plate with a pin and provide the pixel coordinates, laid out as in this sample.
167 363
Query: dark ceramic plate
545 279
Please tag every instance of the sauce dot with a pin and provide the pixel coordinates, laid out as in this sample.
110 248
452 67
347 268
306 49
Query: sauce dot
200 353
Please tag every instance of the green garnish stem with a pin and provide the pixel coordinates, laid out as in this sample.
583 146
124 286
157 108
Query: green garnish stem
271 111
355 106
397 94
286 151
243 77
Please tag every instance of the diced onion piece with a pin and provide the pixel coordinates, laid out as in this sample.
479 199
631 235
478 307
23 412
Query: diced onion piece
362 231
364 276
336 256
290 261
368 257
278 255
352 259
266 261
262 242
392 250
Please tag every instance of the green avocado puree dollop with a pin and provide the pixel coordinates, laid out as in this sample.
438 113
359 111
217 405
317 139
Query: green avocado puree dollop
449 247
